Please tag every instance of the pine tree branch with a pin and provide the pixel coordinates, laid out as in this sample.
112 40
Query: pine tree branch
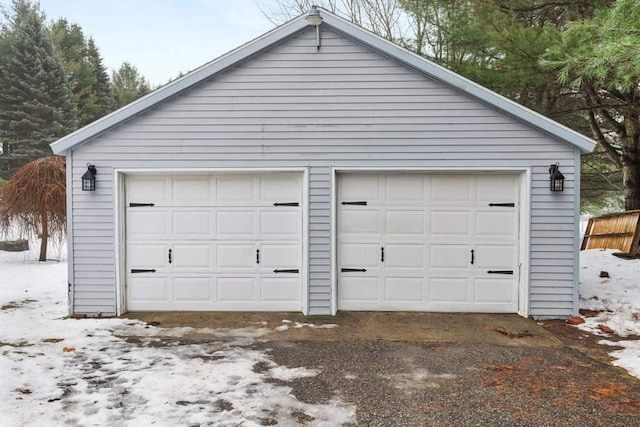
604 176
610 151
593 102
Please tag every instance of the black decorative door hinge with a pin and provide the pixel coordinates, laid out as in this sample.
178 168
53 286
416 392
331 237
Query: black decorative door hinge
500 271
290 270
353 270
504 205
138 205
354 203
143 270
287 204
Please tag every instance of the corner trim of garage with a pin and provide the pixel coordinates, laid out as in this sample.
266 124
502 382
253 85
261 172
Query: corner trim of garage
525 240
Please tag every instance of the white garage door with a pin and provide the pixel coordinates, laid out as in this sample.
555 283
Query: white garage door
225 242
436 242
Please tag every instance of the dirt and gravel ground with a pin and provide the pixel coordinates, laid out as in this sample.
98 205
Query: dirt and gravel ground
422 369
419 384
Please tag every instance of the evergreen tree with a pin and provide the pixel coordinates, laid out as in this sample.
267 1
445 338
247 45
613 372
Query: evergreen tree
102 85
35 107
72 49
128 84
600 58
90 84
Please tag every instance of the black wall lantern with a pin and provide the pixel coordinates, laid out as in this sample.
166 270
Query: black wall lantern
89 178
556 179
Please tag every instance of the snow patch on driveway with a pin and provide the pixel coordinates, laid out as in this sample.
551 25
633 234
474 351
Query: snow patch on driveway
116 372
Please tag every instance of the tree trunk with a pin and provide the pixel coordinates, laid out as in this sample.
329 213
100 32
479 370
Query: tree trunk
631 164
45 237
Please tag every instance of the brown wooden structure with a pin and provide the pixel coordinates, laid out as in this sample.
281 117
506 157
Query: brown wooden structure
619 230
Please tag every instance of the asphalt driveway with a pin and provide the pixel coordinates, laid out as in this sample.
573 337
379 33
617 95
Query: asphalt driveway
403 369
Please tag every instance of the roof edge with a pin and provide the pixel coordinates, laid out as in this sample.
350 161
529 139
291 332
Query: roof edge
381 45
103 124
425 66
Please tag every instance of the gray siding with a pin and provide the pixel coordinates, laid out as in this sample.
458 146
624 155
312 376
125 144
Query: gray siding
342 106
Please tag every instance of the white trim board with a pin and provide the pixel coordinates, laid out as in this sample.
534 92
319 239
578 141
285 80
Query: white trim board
70 256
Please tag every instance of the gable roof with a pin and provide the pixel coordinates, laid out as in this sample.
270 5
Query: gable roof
350 30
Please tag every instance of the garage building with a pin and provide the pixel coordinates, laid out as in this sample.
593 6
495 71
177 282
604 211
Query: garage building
323 168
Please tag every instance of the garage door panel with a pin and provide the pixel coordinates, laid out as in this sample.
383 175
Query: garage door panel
146 224
403 256
233 256
496 188
232 190
192 256
148 255
496 224
446 289
280 289
143 189
193 289
450 188
439 235
495 291
214 225
192 191
360 222
354 290
281 189
148 289
407 189
280 224
411 223
195 224
360 188
450 223
450 257
359 255
236 223
237 289
496 257
404 289
281 256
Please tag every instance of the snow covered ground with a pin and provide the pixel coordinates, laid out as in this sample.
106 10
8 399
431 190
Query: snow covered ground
60 371
116 372
617 297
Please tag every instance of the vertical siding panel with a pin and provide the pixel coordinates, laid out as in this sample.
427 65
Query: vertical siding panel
319 272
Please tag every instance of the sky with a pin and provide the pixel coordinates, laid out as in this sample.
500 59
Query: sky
163 37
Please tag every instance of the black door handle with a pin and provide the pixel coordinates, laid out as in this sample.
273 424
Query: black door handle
382 254
169 256
257 256
473 256
138 205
